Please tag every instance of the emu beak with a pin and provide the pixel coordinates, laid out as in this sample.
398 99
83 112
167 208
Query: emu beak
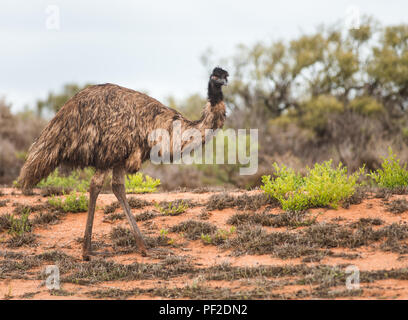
220 81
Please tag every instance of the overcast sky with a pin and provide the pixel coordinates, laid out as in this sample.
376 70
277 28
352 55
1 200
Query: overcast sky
154 46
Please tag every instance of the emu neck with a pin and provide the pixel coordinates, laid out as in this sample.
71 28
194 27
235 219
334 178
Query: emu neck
213 116
215 95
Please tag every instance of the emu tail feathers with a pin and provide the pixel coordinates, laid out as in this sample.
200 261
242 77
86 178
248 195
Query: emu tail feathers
42 160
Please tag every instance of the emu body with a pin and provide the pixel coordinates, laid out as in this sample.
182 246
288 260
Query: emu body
107 127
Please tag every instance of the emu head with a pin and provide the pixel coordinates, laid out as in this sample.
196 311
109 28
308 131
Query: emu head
219 77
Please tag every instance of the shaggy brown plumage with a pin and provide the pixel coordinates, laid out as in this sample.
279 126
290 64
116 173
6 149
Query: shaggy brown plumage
107 126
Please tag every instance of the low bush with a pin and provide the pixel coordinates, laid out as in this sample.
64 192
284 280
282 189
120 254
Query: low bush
19 226
194 229
391 174
136 183
217 237
5 222
172 208
72 203
322 186
78 180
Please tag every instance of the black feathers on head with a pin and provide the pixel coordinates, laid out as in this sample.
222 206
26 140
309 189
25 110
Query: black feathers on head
220 73
217 79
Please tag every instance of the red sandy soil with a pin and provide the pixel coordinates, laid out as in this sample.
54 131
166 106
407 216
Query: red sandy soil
63 236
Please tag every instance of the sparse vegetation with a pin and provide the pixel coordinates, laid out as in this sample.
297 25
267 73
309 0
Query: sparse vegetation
114 217
20 230
220 201
20 208
112 293
217 237
291 219
5 223
363 222
172 208
357 197
144 216
110 208
255 240
397 206
312 243
136 203
3 203
307 239
122 237
225 200
194 229
45 218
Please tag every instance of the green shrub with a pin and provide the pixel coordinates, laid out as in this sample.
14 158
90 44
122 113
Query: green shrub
19 226
391 174
316 111
78 180
366 106
72 203
322 186
136 183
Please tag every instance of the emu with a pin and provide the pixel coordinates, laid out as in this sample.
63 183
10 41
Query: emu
107 127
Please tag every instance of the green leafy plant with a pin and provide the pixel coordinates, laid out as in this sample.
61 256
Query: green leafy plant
391 174
173 208
322 186
206 238
164 238
19 226
136 183
164 232
72 203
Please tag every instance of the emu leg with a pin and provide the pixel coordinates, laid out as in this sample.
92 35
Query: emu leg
94 190
118 188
